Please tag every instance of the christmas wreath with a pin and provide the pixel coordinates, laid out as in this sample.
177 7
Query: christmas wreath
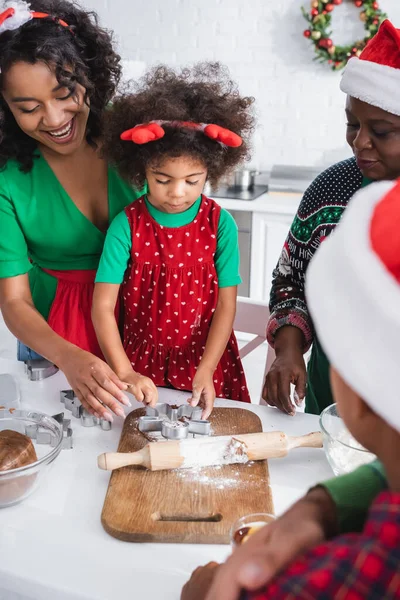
319 33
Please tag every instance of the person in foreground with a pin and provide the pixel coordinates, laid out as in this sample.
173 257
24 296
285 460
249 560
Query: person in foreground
58 73
360 263
372 85
174 253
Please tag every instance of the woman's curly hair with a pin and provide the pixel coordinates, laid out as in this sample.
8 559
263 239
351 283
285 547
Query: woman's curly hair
202 94
85 47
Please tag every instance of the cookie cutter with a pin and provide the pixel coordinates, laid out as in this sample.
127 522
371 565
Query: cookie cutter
174 422
89 420
72 403
45 437
37 370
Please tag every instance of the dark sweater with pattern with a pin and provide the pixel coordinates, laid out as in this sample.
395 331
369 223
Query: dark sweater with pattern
319 212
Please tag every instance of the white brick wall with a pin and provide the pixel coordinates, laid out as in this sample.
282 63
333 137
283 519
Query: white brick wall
299 104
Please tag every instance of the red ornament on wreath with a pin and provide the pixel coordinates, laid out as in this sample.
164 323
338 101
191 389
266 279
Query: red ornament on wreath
319 32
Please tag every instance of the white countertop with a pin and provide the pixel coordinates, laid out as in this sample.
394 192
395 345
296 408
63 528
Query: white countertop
282 203
53 547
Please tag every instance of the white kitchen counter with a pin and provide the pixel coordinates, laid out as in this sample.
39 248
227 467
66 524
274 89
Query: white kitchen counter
53 547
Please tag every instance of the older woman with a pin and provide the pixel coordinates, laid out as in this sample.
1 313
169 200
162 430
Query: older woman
371 83
340 505
57 194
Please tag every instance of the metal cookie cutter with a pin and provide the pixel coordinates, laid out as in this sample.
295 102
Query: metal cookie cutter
71 402
40 369
174 423
35 432
89 420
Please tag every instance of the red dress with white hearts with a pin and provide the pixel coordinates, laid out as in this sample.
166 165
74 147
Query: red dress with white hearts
169 295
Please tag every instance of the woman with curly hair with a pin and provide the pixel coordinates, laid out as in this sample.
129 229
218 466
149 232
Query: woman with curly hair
57 194
174 252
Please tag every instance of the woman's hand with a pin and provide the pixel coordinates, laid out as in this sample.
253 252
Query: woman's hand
203 391
288 367
141 387
94 383
254 564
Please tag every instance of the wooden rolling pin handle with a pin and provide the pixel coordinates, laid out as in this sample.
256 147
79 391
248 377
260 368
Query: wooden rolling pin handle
115 460
311 440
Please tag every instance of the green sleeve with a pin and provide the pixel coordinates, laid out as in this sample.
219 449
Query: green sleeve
14 258
354 493
116 252
227 257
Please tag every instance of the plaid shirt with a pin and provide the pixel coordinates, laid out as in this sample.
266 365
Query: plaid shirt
362 566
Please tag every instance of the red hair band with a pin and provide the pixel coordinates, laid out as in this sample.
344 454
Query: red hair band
14 17
152 131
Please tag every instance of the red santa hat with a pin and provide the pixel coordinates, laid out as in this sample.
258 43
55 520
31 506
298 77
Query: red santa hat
374 77
353 293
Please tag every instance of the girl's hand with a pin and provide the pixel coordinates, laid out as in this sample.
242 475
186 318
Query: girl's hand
203 393
94 383
141 387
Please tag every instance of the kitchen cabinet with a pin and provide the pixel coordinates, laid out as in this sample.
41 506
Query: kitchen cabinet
263 226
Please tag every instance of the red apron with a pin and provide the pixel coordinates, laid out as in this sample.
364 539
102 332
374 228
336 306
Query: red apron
70 313
169 295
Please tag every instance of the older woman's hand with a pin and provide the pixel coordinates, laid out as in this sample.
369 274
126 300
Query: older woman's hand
288 367
94 383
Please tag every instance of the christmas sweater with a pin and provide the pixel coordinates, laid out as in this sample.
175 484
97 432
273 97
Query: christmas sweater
319 212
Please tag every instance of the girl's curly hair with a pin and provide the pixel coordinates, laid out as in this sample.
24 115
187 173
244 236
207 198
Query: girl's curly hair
85 47
203 94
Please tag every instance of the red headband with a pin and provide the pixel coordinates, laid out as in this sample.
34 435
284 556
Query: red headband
152 131
10 12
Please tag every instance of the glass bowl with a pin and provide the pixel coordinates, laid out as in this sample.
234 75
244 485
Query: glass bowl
17 484
244 527
343 452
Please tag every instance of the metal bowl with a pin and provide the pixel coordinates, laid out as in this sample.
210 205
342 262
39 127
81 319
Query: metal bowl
343 452
47 437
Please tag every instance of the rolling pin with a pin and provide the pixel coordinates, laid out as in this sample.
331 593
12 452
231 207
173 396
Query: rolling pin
209 451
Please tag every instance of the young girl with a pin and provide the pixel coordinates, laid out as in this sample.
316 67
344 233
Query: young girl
174 253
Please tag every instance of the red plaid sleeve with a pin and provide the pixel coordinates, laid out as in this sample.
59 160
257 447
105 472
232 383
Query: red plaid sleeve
353 567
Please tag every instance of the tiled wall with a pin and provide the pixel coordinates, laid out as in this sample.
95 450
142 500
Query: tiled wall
299 105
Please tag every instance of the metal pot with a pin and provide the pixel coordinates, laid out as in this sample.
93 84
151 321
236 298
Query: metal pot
245 179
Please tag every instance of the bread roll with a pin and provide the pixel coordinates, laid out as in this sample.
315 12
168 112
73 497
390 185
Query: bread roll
16 450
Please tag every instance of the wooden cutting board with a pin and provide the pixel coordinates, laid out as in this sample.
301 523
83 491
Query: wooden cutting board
192 506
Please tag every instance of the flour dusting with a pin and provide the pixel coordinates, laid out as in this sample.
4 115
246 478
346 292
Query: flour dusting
214 477
223 450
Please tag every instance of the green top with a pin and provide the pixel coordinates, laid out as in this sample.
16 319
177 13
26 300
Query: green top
117 247
354 493
40 226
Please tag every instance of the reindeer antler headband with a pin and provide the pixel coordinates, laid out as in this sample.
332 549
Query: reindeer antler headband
17 12
153 131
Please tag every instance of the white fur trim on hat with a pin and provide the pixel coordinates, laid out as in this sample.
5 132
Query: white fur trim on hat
21 16
375 84
355 306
